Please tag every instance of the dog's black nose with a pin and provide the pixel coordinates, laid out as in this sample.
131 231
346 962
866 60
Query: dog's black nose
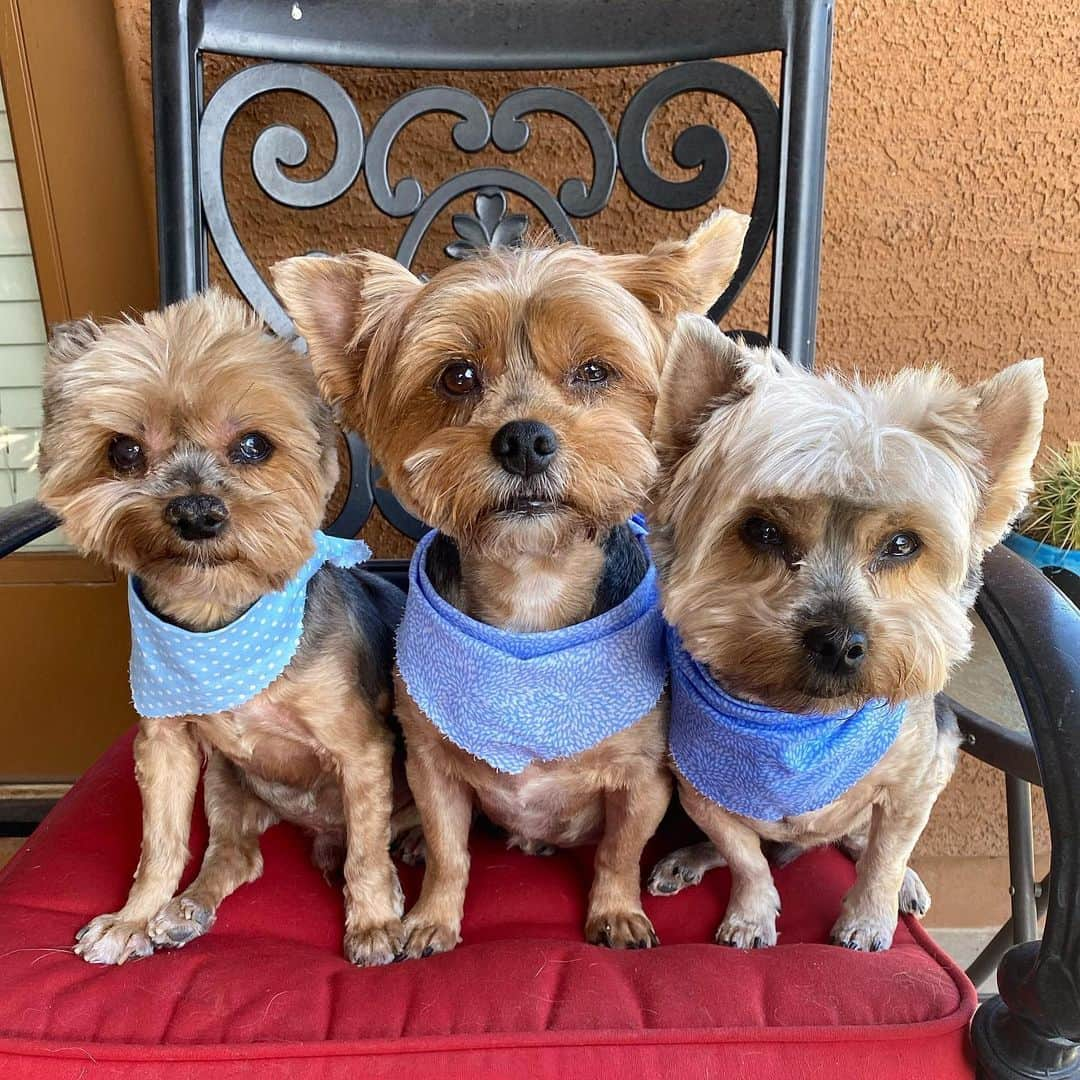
835 649
524 447
196 517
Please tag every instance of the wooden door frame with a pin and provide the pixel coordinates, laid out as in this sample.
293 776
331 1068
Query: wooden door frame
92 241
53 119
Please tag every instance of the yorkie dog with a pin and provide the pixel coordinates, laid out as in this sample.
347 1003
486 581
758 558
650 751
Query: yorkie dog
820 543
510 402
191 451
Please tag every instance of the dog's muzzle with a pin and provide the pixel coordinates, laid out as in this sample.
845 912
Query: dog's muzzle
196 517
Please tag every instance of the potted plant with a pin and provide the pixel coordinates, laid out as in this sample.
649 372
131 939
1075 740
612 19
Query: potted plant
1049 534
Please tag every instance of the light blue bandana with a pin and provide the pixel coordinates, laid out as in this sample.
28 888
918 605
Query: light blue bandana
765 764
512 699
178 672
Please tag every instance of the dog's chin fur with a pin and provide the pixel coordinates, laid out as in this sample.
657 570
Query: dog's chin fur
186 382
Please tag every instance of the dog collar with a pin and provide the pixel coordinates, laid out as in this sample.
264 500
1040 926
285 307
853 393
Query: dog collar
178 672
763 763
512 699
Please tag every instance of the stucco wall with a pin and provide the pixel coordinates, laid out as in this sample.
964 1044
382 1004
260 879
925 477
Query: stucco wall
950 225
953 189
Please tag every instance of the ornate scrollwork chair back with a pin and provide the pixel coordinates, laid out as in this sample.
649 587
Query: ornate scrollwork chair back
693 38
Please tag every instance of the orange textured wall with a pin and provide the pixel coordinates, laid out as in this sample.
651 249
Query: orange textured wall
951 212
953 200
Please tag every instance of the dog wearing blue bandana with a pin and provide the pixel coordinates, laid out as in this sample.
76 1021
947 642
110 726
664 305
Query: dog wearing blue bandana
819 543
510 401
191 451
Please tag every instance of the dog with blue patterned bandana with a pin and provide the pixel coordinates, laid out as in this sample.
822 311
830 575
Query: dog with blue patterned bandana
819 543
510 402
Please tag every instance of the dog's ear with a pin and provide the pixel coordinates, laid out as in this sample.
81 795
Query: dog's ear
1009 413
337 305
687 275
68 341
702 367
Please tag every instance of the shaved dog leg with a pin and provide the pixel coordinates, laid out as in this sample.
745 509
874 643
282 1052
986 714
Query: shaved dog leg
750 919
445 805
631 816
868 917
167 769
237 819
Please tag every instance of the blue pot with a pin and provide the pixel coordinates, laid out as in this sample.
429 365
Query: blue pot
1041 555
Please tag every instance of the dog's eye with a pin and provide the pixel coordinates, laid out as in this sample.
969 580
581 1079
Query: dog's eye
762 533
902 545
459 379
126 454
591 373
250 449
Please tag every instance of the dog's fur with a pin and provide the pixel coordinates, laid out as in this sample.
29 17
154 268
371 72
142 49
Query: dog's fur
313 748
839 468
526 321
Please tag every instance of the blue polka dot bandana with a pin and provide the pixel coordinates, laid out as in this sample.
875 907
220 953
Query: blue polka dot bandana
178 672
512 699
765 764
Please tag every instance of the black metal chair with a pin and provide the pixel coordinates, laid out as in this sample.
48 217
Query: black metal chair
1032 1028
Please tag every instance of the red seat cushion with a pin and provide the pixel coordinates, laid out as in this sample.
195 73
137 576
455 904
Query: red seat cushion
268 993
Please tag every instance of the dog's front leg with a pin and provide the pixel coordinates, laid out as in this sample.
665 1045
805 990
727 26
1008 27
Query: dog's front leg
167 770
373 899
445 804
631 816
237 819
868 918
750 919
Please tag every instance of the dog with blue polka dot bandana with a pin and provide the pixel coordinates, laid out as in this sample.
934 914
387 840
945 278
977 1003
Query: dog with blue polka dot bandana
191 451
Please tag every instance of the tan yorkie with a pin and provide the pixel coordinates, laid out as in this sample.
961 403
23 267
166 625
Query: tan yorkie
510 401
819 544
191 451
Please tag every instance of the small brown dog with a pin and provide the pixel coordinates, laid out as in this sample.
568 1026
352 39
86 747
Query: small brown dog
819 544
191 451
510 401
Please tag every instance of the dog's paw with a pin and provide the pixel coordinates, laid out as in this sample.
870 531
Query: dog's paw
425 937
531 847
739 931
621 930
914 899
687 866
409 846
108 939
751 922
181 920
372 946
863 933
672 874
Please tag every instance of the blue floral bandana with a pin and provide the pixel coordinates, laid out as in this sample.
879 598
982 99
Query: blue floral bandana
765 764
512 699
178 672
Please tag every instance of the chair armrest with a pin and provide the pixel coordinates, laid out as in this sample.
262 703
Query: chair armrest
23 522
1035 1023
